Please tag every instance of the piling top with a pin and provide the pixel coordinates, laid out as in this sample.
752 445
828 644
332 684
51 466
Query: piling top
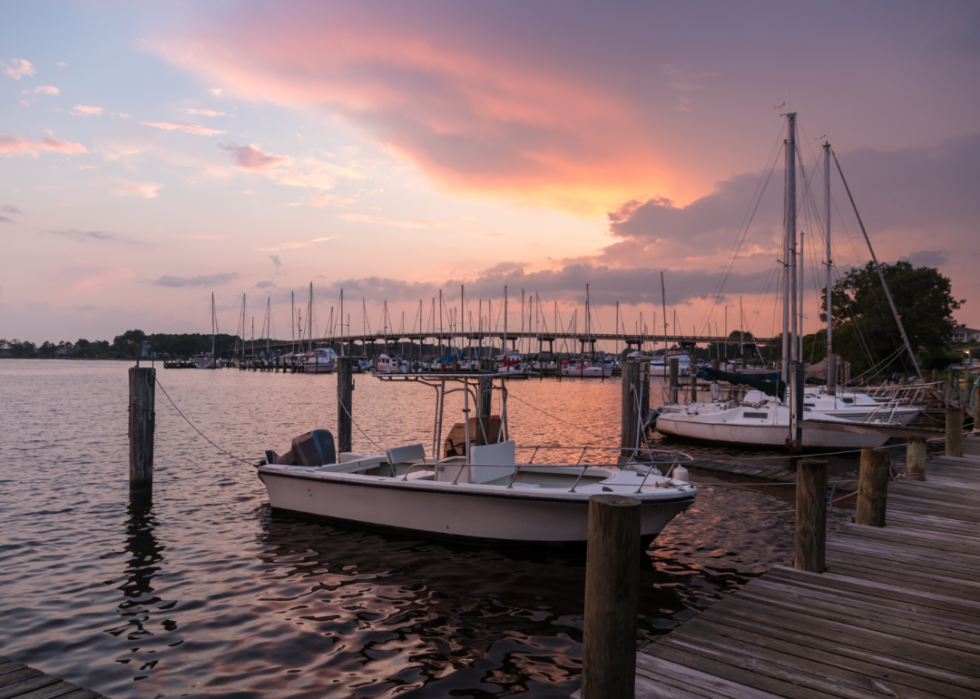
615 500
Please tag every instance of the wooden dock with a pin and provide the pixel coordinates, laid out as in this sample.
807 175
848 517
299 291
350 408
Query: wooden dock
897 614
18 681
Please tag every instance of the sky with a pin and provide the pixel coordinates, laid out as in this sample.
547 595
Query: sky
154 154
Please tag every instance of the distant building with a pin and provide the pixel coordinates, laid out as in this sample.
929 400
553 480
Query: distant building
64 350
961 333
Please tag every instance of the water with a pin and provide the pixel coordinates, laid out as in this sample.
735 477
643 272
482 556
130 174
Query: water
206 592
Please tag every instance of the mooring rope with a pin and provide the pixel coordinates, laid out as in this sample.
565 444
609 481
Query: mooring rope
358 426
194 427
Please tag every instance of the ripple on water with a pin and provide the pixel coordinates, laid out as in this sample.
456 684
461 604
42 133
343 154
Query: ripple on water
205 592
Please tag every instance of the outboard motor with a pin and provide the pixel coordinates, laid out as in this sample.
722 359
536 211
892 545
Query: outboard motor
315 448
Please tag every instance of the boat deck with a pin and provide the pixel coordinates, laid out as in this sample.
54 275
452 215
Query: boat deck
897 613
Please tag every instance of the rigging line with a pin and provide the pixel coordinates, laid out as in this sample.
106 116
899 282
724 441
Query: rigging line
555 417
351 417
744 227
194 427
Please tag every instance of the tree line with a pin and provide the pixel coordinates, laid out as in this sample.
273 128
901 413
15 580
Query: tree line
129 345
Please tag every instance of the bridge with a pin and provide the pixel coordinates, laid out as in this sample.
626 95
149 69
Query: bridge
572 342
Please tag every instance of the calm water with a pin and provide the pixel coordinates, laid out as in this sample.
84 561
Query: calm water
206 592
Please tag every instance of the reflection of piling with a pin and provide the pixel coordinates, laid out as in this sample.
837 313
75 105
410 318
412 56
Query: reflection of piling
811 516
873 487
954 430
142 417
345 391
611 590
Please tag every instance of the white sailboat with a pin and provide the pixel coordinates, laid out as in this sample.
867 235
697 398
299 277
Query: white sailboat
209 360
767 420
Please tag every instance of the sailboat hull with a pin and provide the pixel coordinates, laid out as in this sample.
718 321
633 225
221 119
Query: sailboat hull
731 427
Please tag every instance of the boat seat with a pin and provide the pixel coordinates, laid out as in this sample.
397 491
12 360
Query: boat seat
409 453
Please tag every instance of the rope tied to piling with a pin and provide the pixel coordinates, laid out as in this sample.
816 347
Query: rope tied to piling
194 427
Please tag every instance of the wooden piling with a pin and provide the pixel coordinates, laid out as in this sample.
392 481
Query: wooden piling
484 403
811 516
674 363
611 591
644 392
142 420
873 487
629 411
954 430
976 410
694 384
915 458
345 391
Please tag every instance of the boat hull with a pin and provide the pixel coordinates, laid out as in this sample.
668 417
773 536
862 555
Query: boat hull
509 516
764 434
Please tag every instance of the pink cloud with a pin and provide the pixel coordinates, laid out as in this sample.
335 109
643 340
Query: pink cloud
80 109
205 112
18 68
11 145
413 223
42 90
476 122
98 280
188 128
321 200
130 188
254 159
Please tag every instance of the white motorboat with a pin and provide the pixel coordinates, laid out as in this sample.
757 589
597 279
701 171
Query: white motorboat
486 494
660 365
204 361
587 370
322 360
389 365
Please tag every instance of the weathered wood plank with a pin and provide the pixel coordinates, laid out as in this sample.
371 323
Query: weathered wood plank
700 683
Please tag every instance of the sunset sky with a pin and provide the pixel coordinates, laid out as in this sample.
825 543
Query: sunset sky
153 154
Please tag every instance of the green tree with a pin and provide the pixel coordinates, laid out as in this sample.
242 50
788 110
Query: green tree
865 332
129 344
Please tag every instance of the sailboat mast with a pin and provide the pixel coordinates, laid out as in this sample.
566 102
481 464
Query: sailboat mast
214 319
799 310
663 302
505 320
831 364
268 324
292 320
342 322
791 233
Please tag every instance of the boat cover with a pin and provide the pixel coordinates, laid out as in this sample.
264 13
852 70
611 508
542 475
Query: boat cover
776 388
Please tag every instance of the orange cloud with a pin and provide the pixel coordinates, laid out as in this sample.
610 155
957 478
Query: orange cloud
474 123
188 128
11 145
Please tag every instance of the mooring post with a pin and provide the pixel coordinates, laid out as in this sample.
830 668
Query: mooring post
644 392
976 410
142 420
345 392
694 384
968 396
811 516
954 430
935 376
873 487
484 406
674 363
611 591
630 412
915 458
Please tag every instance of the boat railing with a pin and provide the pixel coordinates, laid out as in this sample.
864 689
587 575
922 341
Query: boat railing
650 457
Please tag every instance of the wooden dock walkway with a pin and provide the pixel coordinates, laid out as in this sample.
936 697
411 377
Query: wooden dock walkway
897 614
18 681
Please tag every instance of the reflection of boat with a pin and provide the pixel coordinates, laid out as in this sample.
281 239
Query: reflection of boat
486 493
322 360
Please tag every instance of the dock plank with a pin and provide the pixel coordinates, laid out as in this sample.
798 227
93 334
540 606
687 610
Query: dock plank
19 681
896 614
